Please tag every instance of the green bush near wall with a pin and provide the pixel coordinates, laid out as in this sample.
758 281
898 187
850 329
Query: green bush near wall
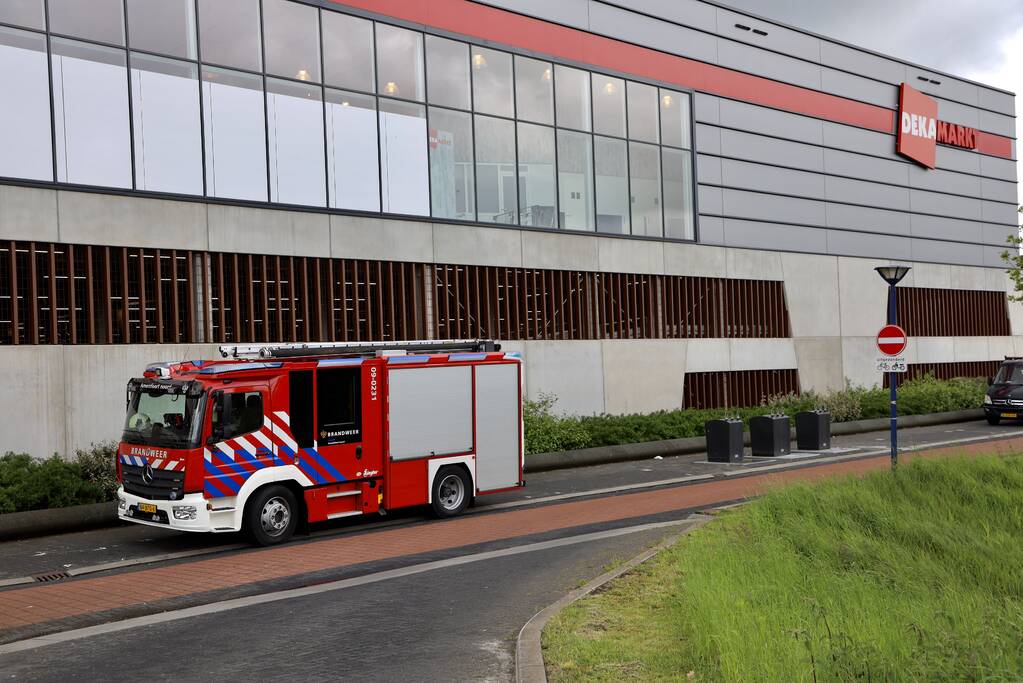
28 483
547 431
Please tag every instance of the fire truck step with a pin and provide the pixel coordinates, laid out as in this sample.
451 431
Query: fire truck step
338 515
339 494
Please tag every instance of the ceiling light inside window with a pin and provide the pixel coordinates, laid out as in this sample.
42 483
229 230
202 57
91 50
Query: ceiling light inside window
391 88
302 75
666 101
610 88
479 61
547 74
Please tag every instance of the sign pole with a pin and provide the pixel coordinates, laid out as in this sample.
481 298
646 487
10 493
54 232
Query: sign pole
892 379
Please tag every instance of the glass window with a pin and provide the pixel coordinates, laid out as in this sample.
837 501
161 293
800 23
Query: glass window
294 117
27 13
100 20
164 26
645 186
538 202
165 108
492 82
348 51
496 195
400 62
608 105
534 90
447 72
229 33
25 116
572 95
292 35
678 194
338 406
452 187
575 180
642 112
235 134
675 119
90 108
611 164
236 413
352 167
403 165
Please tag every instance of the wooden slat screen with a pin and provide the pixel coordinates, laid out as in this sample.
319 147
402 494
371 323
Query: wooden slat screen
737 388
927 312
980 368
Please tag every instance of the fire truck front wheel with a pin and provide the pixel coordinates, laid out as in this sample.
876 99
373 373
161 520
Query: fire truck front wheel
271 515
451 491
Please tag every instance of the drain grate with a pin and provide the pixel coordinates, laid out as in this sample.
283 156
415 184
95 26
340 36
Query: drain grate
54 576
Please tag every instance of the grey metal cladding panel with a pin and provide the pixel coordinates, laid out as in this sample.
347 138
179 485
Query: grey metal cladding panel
997 212
706 108
996 101
751 176
569 12
867 193
768 64
708 169
859 62
660 35
741 233
778 38
998 190
754 119
771 150
953 112
996 123
689 12
995 167
947 252
858 88
711 230
864 218
993 257
943 181
953 159
947 205
933 227
842 243
867 168
744 204
997 234
709 199
708 139
949 87
858 139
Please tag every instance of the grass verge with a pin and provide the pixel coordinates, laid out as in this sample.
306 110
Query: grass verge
915 577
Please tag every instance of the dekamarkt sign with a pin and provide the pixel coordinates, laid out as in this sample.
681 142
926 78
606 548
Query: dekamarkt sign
919 129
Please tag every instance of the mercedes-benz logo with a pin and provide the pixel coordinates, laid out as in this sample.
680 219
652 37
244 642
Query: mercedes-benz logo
147 474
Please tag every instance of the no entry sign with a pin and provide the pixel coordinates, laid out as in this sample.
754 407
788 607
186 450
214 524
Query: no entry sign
891 340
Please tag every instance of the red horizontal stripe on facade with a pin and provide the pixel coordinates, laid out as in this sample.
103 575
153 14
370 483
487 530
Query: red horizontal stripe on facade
527 33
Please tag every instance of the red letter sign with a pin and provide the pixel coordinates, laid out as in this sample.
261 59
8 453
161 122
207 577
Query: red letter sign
917 126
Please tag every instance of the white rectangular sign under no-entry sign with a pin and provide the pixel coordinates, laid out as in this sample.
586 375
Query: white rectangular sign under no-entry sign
891 364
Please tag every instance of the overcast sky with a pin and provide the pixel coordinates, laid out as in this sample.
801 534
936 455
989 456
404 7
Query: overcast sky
977 39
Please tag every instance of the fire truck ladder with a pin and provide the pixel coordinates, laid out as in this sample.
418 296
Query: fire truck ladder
358 348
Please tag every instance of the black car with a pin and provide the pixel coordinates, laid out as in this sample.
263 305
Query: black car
1004 398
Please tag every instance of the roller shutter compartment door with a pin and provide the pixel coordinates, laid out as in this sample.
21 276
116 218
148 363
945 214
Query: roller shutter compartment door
497 426
429 411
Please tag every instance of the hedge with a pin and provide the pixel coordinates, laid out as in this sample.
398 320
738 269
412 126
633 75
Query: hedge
28 483
548 432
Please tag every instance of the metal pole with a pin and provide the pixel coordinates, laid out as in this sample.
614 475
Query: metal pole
892 379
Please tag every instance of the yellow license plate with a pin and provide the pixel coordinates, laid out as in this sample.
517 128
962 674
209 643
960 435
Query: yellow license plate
1010 415
147 507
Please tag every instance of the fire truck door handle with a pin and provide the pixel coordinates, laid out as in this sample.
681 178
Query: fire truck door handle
358 452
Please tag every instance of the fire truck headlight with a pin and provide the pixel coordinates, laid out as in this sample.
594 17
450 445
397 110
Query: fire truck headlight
184 512
122 505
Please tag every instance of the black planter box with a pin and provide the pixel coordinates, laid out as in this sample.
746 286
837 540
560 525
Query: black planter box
813 430
724 440
769 435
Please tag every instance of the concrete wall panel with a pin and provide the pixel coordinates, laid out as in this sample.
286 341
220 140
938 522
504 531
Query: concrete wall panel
964 277
477 246
643 376
630 256
93 218
694 259
34 403
380 239
28 213
762 354
563 252
751 264
571 370
859 360
811 295
931 349
268 231
707 355
817 359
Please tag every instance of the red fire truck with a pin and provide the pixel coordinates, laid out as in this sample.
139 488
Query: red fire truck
269 436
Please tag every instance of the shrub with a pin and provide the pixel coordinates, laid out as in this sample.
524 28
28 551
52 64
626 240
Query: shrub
547 432
98 466
27 483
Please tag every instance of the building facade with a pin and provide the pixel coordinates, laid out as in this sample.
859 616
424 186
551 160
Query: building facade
660 203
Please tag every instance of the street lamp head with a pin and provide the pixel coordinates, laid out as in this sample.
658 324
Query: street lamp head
892 274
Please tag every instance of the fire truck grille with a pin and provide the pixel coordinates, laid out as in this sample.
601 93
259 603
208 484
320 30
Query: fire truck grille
165 483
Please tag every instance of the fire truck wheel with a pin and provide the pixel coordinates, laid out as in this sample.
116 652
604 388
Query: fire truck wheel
450 492
271 515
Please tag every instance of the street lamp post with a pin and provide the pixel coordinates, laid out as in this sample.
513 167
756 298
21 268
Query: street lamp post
893 275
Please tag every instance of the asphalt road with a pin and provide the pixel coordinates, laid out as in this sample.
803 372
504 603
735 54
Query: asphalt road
37 556
456 621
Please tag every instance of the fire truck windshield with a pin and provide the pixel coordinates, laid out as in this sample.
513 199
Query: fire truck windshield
163 414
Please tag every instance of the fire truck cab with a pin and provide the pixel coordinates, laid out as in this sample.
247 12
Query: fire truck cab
269 436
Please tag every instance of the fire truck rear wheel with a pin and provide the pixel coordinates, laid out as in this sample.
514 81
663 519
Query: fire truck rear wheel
451 492
271 515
